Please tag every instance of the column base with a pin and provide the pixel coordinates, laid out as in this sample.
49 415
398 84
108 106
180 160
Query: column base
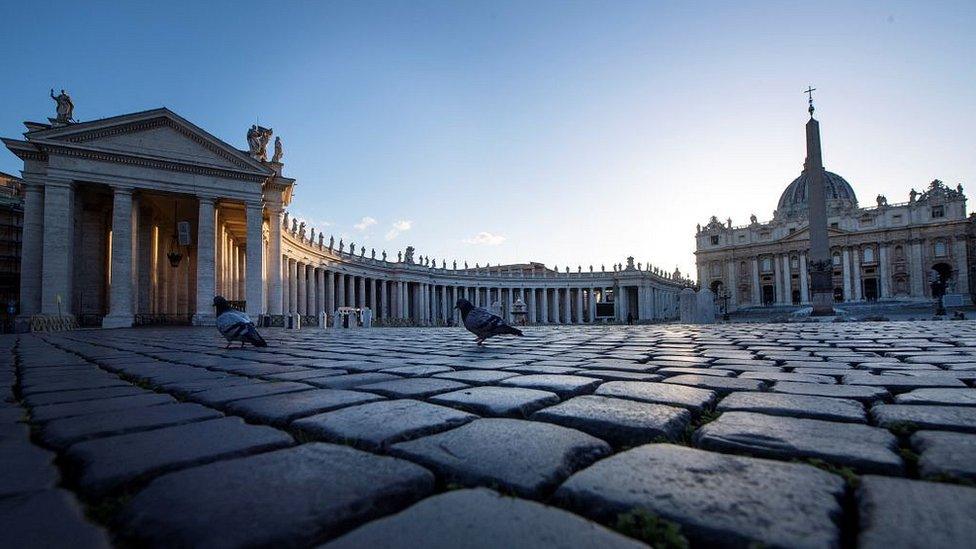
204 319
118 321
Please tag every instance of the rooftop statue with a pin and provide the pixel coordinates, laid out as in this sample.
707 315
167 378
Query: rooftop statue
455 264
752 219
311 235
301 230
882 200
277 150
384 256
331 242
321 240
294 225
65 108
362 251
257 141
408 254
341 245
372 253
284 220
399 257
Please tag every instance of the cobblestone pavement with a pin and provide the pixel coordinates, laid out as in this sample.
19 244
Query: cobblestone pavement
785 435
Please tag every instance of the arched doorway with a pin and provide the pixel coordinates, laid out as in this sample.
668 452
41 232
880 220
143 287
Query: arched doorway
768 295
939 279
871 289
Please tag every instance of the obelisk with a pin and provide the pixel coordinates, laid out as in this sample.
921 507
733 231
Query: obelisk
820 267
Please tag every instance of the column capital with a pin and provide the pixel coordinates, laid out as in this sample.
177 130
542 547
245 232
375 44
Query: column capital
122 189
207 199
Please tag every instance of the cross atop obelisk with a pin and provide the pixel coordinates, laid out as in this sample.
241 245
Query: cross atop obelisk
809 91
820 266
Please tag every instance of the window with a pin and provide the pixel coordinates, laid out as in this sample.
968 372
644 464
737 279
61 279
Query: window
742 238
896 218
792 230
836 259
835 225
869 255
940 249
714 240
938 211
899 253
794 262
716 268
767 264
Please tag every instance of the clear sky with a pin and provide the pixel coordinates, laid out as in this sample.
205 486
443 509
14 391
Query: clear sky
561 132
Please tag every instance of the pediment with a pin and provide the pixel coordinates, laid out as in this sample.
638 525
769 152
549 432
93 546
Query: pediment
159 134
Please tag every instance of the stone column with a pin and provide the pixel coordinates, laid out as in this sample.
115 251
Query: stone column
293 287
254 277
846 259
274 260
778 279
918 278
206 245
32 243
313 290
556 313
567 307
731 286
787 281
285 288
962 266
804 280
454 298
445 304
856 267
884 275
320 305
579 305
530 304
57 255
592 305
120 314
330 289
756 286
544 294
351 290
372 295
300 299
361 299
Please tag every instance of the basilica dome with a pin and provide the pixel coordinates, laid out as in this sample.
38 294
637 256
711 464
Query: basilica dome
793 202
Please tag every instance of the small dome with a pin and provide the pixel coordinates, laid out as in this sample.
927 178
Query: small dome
839 194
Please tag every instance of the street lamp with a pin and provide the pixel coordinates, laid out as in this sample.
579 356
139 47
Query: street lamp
723 294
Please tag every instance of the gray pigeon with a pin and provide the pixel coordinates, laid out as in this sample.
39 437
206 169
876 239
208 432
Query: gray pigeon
235 325
482 323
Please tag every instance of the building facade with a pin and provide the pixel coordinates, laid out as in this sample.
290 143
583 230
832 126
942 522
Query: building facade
883 252
142 218
11 229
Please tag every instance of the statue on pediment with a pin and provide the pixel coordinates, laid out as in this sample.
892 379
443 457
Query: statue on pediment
284 220
257 141
399 256
362 251
278 153
311 235
301 230
408 254
753 220
882 200
455 264
65 108
352 248
294 225
331 242
372 254
321 240
384 256
341 245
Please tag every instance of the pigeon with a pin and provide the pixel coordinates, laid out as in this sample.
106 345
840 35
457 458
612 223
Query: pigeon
235 325
482 323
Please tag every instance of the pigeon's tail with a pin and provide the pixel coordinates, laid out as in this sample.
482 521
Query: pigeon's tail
253 337
513 331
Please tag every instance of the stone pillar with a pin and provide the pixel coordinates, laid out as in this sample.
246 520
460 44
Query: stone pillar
804 280
320 305
206 245
120 314
293 286
350 290
300 298
285 288
530 303
544 294
57 254
372 295
361 299
592 305
330 300
340 290
32 244
445 304
756 285
556 313
856 267
274 260
579 306
254 277
454 311
884 275
787 280
313 290
918 278
778 279
567 307
731 286
846 259
962 266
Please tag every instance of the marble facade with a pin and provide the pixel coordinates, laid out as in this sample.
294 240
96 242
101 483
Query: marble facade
143 218
878 253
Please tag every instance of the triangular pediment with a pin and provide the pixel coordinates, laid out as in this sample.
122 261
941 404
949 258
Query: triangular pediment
159 134
804 234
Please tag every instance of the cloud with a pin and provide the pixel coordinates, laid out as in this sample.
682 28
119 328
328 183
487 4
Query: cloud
365 223
311 221
398 227
484 238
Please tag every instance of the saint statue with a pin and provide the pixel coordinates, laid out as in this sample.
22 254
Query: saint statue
301 230
362 251
341 245
352 248
752 219
331 242
321 240
372 253
257 142
455 264
399 257
311 235
284 220
443 264
465 265
912 195
277 150
294 225
591 268
65 108
384 256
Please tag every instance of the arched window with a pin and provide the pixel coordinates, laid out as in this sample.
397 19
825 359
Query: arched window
794 262
940 248
869 255
767 264
836 259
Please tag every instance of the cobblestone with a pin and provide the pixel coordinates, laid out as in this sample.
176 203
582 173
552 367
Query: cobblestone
144 431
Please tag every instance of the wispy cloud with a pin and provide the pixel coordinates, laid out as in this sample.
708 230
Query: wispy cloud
365 223
399 227
484 238
312 221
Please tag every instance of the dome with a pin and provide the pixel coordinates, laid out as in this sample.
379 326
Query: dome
839 194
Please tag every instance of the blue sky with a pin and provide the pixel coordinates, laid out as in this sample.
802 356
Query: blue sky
563 132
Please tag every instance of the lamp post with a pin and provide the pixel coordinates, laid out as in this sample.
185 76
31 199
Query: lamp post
723 294
938 286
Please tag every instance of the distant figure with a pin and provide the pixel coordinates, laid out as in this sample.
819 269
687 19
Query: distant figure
482 323
235 325
630 318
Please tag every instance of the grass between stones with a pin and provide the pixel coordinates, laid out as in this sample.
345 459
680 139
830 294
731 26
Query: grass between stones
706 417
848 474
653 530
